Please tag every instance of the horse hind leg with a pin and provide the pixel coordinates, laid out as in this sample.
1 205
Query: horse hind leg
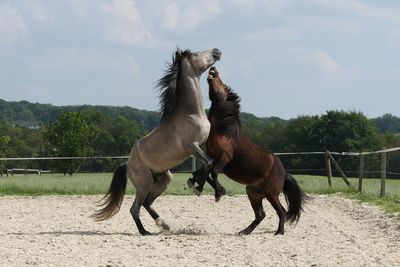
160 183
280 210
255 198
142 181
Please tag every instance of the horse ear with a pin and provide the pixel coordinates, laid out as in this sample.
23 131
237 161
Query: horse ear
178 55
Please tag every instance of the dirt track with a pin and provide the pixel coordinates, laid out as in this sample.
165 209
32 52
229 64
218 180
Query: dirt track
57 231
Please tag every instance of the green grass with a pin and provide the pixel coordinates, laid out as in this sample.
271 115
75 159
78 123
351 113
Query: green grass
92 184
98 183
370 192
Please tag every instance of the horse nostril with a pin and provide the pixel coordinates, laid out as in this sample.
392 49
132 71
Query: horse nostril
217 54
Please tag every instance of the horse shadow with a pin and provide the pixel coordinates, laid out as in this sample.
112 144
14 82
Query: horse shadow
78 233
178 232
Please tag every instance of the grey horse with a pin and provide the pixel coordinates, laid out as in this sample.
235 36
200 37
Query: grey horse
184 128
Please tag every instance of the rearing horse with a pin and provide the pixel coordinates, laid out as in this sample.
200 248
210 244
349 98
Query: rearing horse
183 129
243 161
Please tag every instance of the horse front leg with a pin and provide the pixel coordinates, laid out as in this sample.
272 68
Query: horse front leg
218 188
218 166
200 176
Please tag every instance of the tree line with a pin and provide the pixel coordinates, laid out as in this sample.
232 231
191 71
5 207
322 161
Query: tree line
37 130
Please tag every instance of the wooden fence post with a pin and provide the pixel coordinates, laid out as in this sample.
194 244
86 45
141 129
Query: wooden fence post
383 174
361 172
328 169
344 177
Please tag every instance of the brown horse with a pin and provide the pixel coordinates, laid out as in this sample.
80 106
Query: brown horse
245 162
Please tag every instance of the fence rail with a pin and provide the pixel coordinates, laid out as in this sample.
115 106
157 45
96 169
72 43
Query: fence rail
26 171
329 159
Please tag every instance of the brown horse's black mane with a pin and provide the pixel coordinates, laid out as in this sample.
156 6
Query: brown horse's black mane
169 93
227 115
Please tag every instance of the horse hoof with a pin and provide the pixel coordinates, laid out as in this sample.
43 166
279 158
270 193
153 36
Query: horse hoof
218 197
196 191
279 232
244 232
145 233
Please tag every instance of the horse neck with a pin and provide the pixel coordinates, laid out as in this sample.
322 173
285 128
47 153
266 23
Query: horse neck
222 113
224 124
190 97
216 107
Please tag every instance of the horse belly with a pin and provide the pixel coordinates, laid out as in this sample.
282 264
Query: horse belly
160 156
246 173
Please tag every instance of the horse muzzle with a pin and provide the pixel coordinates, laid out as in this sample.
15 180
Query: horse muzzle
216 54
212 73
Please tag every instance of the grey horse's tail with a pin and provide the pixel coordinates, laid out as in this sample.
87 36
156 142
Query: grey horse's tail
295 198
112 201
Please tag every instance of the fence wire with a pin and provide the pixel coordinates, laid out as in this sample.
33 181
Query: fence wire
372 162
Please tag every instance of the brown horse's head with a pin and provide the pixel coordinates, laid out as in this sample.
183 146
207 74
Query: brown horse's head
218 91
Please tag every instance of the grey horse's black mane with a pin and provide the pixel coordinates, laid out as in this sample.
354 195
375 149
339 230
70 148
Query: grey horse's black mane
169 93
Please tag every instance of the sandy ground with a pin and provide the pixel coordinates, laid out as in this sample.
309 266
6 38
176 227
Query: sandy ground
57 231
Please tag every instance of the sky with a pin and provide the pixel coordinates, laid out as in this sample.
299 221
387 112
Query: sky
285 58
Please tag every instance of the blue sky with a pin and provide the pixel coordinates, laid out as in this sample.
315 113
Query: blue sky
284 57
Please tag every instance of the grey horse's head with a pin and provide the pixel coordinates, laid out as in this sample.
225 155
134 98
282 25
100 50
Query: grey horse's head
190 65
198 62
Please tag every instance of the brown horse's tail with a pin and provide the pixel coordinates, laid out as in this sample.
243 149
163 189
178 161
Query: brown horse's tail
295 198
112 201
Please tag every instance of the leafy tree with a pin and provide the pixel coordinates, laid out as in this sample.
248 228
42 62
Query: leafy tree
334 131
4 140
346 131
115 138
393 158
272 137
16 141
300 135
71 135
388 123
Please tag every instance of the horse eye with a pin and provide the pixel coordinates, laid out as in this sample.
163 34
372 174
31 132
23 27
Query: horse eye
196 54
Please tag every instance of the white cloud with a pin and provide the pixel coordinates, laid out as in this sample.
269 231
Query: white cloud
275 5
362 8
244 4
328 66
325 62
271 6
12 24
82 7
171 13
276 34
124 23
344 25
187 16
37 13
